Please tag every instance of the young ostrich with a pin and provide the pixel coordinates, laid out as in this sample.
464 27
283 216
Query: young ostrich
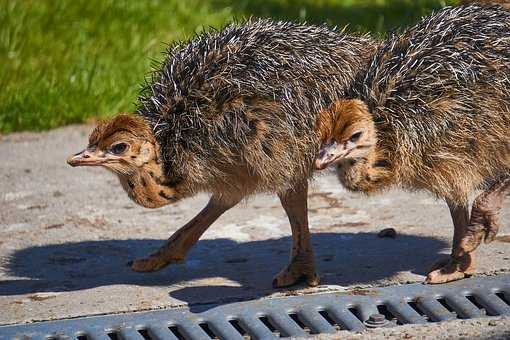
432 112
231 113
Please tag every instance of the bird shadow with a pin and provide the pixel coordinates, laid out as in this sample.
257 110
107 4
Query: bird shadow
367 16
342 259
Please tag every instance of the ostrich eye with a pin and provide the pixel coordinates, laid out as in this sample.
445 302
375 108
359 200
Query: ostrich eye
118 148
356 136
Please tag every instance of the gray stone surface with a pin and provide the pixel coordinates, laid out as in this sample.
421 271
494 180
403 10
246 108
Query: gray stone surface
492 328
66 236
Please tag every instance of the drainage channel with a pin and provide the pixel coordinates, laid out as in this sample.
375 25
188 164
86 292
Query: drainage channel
296 316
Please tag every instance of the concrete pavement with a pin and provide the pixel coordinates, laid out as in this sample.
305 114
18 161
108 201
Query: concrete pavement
66 236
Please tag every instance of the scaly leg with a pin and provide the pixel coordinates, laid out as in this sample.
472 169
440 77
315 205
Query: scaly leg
302 262
461 262
484 223
178 245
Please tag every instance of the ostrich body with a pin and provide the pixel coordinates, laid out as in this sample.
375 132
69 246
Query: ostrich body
432 112
231 113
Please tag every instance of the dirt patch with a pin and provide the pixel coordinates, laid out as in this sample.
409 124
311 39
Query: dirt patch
350 225
363 292
98 222
41 296
327 196
55 226
37 206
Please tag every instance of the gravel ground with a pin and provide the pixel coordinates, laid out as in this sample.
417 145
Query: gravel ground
491 328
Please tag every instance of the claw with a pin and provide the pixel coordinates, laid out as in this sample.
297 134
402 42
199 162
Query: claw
438 276
283 280
452 269
149 264
301 268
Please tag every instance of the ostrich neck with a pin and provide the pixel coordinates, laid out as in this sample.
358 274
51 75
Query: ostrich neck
147 186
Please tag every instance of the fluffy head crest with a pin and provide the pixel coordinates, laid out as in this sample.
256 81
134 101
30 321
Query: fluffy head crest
132 124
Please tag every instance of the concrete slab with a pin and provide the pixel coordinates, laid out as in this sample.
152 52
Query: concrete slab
480 329
66 235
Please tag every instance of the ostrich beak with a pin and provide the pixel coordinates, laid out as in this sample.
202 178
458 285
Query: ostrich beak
87 157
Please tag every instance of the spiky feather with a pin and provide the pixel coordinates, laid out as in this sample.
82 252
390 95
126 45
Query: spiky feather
439 93
236 109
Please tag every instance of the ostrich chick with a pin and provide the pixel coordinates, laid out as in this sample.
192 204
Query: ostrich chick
231 113
432 112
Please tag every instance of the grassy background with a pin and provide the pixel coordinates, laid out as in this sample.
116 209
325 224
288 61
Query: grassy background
65 61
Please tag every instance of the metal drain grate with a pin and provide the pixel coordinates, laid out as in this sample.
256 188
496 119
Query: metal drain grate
297 316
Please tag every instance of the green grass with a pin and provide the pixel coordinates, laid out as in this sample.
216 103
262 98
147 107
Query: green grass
65 62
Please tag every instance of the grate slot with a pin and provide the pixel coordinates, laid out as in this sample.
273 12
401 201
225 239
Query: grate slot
299 322
493 304
317 323
325 314
356 312
208 330
418 310
93 334
223 329
235 323
404 314
160 332
435 310
383 309
113 335
145 334
366 309
446 305
464 308
176 332
287 326
265 320
503 297
191 330
129 333
255 328
345 318
78 337
474 300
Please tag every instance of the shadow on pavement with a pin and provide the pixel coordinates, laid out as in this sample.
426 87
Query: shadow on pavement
342 259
